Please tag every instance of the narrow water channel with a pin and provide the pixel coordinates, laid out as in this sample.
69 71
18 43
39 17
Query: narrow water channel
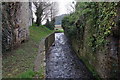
62 62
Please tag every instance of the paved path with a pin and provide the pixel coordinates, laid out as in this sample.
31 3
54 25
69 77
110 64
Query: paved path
62 62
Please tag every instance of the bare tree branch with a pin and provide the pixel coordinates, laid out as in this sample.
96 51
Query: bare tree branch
45 10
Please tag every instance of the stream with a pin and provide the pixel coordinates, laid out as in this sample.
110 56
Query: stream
62 62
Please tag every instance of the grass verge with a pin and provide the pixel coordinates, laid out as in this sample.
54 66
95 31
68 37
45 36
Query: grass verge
59 30
19 62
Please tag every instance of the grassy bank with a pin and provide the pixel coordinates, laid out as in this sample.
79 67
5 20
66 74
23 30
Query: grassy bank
19 62
59 30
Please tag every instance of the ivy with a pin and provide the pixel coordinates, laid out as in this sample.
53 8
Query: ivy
100 17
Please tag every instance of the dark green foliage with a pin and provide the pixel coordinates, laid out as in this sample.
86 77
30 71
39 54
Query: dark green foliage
47 23
89 28
98 16
50 24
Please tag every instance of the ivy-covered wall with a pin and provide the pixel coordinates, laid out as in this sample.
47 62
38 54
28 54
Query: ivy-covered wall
16 19
94 31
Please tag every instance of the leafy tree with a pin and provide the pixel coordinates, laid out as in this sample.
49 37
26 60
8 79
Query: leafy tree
50 24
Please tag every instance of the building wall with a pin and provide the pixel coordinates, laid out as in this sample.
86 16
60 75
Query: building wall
58 27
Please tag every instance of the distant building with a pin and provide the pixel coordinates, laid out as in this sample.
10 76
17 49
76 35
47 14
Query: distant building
58 27
58 21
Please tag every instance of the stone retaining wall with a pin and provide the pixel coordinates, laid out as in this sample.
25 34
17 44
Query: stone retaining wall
41 57
104 62
49 41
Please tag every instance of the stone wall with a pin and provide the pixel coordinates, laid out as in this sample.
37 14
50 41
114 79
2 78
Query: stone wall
118 32
104 61
49 41
16 19
0 41
100 53
44 46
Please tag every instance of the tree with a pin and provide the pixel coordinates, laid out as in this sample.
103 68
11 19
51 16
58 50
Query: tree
41 11
45 10
71 7
47 23
53 10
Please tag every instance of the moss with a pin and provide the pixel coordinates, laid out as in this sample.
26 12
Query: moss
90 67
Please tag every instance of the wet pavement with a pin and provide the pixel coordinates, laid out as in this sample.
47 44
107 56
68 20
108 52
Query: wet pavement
61 61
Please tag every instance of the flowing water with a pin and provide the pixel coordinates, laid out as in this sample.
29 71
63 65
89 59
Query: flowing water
61 61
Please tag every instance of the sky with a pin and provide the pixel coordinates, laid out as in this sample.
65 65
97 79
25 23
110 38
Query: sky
63 6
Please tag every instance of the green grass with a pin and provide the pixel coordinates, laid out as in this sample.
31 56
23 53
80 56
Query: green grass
59 30
27 74
20 61
31 74
38 33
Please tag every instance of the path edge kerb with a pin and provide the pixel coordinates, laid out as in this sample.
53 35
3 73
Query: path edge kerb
40 60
